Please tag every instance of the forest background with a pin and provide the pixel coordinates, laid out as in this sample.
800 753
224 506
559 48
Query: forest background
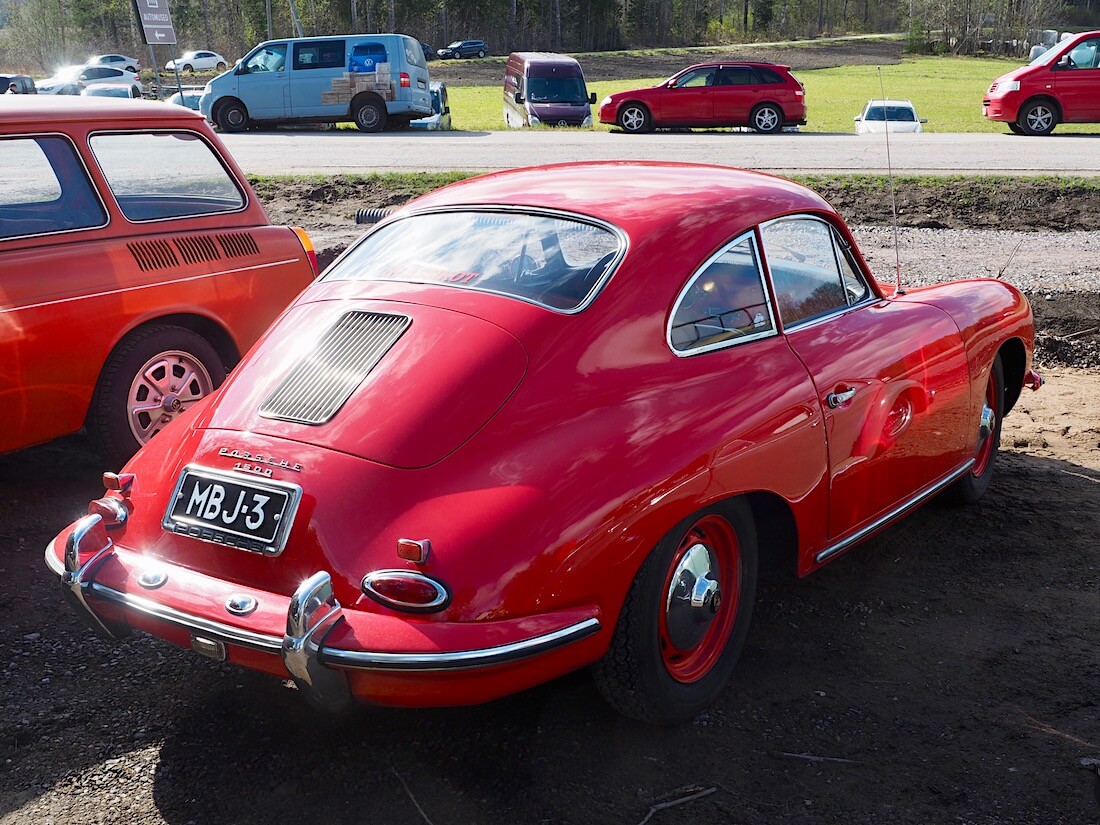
38 35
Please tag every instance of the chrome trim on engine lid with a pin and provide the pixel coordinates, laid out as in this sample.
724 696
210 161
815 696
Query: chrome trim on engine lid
897 512
323 380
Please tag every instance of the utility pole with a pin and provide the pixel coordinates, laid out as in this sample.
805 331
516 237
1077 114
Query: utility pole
354 17
297 22
270 30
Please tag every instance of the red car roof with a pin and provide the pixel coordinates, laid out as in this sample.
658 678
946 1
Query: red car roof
641 197
36 110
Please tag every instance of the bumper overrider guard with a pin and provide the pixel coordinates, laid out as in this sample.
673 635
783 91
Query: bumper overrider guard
313 613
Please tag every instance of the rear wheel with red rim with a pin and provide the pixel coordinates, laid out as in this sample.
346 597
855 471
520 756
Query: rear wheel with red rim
972 485
684 621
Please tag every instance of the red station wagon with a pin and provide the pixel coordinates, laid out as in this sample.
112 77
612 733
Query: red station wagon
761 95
1062 85
546 419
136 267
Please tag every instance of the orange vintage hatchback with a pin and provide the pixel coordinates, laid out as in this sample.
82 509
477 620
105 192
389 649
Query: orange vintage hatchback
136 267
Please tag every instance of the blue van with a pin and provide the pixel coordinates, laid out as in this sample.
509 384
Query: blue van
369 79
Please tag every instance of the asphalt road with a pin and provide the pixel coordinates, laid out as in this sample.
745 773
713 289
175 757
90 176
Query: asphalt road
346 151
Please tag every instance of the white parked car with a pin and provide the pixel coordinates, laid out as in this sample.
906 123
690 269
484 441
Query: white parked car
892 115
129 90
115 61
198 61
71 80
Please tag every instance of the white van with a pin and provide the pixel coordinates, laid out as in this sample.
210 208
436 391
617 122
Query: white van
370 79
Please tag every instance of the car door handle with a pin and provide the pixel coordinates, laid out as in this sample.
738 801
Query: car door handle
835 399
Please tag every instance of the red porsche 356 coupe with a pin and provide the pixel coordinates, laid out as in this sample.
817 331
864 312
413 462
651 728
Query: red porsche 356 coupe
545 419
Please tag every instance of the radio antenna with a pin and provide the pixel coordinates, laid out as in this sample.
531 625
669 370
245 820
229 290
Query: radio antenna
890 175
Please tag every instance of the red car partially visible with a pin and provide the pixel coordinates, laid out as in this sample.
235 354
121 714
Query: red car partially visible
136 267
765 96
546 419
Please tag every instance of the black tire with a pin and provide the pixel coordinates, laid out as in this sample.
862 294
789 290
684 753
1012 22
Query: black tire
132 69
232 116
1015 128
370 116
481 53
178 353
767 118
188 68
973 485
634 119
220 67
1037 117
639 675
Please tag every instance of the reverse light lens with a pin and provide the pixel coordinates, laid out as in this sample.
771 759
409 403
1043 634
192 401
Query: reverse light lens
406 590
406 81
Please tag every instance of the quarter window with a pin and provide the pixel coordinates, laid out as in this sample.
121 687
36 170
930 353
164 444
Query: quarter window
165 175
44 188
724 303
811 274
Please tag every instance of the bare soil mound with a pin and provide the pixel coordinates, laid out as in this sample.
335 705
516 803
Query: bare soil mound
657 63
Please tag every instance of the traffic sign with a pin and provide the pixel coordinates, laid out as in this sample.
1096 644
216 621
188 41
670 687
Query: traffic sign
156 22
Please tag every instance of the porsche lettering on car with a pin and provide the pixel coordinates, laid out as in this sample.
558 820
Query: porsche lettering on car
548 419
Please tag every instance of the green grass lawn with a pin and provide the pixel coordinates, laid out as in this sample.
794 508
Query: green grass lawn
946 90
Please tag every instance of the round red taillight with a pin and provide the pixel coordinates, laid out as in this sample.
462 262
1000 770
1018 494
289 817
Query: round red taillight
406 590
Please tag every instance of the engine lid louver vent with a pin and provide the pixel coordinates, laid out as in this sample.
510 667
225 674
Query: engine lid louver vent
196 248
238 244
153 255
318 385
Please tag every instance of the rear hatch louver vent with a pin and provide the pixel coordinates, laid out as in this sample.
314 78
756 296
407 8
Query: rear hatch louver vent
152 255
197 248
238 244
322 381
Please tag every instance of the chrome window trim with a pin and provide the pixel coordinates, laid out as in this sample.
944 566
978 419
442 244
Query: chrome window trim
814 320
895 513
744 339
593 293
244 192
87 177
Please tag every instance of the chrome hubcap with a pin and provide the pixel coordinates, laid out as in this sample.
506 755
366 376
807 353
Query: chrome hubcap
163 388
987 422
693 598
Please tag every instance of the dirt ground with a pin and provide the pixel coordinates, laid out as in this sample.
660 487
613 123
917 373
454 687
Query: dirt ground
945 671
621 66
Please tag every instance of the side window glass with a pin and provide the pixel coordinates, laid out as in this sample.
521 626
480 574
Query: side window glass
190 179
1083 55
325 54
267 59
44 189
693 80
804 268
734 76
724 303
365 57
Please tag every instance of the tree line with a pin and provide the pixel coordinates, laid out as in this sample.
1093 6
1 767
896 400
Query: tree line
41 34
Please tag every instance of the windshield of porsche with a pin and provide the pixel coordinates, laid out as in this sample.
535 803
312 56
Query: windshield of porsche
554 261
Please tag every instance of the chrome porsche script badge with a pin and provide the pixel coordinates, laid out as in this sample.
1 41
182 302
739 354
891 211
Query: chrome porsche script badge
257 463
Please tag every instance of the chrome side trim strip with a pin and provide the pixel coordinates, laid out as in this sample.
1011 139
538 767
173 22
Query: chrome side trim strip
222 632
501 654
898 511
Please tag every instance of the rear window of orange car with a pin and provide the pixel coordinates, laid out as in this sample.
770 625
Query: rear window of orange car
159 175
44 188
555 261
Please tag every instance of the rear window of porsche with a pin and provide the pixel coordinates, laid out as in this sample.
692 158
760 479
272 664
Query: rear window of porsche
159 175
44 188
555 261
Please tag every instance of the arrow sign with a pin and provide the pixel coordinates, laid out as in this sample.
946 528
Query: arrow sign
156 21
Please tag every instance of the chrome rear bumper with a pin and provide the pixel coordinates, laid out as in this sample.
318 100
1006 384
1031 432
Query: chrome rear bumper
318 670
